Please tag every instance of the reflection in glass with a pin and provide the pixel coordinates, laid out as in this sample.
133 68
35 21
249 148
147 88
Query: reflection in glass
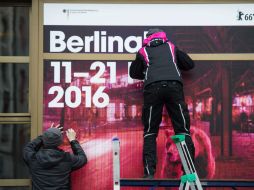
12 140
14 31
14 88
14 188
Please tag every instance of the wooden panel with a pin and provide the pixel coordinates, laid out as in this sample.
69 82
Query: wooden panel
15 182
14 59
129 56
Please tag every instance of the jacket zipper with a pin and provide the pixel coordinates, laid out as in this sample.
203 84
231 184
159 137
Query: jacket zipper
177 69
174 60
146 73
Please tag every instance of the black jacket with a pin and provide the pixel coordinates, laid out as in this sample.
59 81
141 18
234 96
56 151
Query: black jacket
50 168
159 60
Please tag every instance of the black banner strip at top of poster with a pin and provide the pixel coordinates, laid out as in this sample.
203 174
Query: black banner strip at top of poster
16 3
175 183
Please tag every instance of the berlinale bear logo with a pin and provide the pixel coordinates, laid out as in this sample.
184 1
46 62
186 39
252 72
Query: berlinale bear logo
204 160
242 16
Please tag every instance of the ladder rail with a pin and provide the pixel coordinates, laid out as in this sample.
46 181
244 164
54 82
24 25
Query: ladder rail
190 165
187 163
116 163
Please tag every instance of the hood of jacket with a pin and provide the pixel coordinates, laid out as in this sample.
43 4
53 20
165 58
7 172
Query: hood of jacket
48 158
155 39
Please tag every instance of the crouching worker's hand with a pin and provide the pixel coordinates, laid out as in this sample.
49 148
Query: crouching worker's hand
57 126
71 134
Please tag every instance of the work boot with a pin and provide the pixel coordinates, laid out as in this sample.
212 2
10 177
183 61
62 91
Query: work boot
148 176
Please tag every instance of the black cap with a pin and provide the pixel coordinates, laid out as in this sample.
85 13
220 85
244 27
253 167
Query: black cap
52 137
152 31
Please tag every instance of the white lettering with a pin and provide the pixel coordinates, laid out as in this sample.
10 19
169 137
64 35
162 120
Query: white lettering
145 32
137 40
75 44
88 40
103 41
98 42
57 43
111 40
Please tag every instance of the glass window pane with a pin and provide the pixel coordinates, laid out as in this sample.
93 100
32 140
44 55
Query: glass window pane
14 83
14 31
14 188
12 140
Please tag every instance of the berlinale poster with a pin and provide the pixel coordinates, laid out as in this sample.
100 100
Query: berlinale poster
100 101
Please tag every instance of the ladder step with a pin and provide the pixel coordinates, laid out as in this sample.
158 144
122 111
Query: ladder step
178 138
188 178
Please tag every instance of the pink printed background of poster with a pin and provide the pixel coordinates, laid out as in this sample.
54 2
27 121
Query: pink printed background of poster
209 89
97 126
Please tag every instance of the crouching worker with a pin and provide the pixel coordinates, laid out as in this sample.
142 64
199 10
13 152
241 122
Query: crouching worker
50 167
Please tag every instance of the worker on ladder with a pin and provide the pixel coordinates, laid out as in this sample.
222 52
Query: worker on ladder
158 63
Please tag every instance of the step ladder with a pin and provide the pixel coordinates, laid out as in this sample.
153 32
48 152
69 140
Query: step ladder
190 179
116 163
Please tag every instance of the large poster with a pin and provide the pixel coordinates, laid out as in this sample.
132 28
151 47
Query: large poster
99 100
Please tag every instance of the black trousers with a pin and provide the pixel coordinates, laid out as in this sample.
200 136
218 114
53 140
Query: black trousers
156 95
